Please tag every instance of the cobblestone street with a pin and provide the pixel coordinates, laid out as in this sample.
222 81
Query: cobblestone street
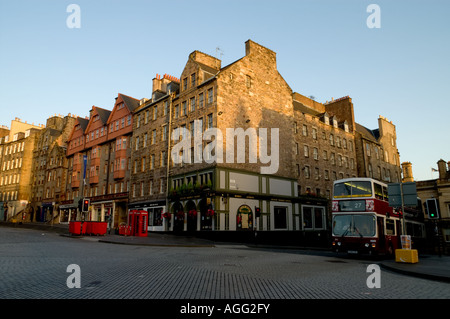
34 265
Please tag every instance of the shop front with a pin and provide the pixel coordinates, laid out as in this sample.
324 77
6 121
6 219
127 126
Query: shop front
156 210
110 208
67 211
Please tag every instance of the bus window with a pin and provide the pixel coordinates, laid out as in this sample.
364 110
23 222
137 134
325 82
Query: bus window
390 227
353 189
365 225
385 194
378 191
354 225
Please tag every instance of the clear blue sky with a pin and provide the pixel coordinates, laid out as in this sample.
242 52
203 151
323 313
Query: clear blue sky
324 49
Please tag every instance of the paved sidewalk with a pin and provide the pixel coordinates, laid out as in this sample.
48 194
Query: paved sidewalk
429 266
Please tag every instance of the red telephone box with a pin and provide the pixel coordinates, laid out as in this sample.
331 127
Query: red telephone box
137 223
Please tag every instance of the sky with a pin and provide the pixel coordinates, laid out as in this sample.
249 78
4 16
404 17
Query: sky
399 69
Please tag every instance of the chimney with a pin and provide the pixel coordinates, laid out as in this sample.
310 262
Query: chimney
156 83
442 167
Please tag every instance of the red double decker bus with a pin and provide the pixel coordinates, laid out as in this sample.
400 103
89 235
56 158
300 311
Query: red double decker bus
362 220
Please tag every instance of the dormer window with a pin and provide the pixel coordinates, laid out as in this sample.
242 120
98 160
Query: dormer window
335 122
326 118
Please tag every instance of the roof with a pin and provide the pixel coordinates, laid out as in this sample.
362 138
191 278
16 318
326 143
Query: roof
371 135
299 106
103 114
130 102
83 123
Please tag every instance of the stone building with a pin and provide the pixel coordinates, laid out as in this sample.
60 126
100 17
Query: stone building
99 159
236 141
437 191
15 169
149 156
377 153
49 169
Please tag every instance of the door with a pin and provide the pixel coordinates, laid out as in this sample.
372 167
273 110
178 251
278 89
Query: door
381 234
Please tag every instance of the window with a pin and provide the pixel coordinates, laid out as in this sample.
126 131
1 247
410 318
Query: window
184 108
185 84
164 133
155 112
193 80
307 175
314 133
200 100
305 130
161 186
210 96
210 121
333 159
137 143
192 104
153 137
313 217
280 217
152 161
306 150
316 153
248 81
166 108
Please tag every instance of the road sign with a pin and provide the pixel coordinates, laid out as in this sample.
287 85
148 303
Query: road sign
395 195
409 194
402 194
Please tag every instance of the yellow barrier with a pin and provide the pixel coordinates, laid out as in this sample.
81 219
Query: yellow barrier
406 256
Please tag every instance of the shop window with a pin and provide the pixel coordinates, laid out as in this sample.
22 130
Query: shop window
280 217
313 217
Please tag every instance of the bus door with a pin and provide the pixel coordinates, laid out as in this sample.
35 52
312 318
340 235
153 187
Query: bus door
398 226
381 233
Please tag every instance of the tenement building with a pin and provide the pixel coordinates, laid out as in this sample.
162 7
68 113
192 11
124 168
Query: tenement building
99 163
377 153
16 149
49 169
230 149
234 148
